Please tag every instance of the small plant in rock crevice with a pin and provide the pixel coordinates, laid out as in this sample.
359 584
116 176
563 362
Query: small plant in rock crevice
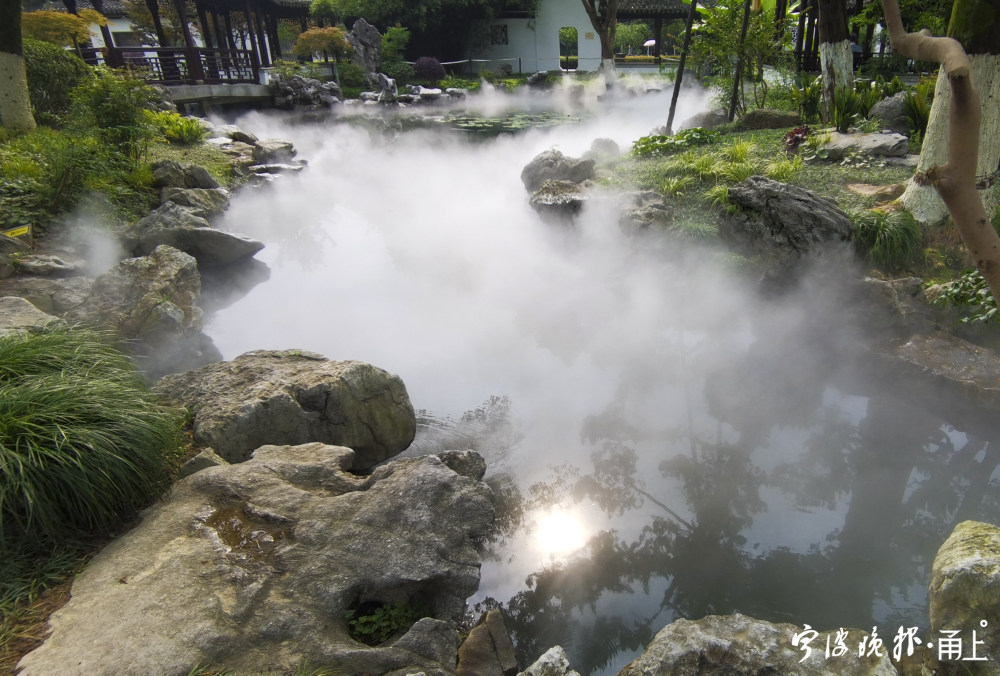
374 623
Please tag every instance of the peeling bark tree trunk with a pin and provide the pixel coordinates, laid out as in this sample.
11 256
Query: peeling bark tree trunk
15 106
955 180
971 25
836 61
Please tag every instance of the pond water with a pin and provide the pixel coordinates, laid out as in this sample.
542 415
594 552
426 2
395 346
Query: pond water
665 442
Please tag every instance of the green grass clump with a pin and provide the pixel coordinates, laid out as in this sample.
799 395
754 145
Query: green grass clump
890 240
83 443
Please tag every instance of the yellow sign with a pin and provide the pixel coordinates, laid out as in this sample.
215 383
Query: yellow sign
588 36
18 232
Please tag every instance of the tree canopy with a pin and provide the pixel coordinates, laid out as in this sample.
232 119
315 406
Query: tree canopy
61 28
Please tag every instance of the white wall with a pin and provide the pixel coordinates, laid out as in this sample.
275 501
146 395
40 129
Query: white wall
536 41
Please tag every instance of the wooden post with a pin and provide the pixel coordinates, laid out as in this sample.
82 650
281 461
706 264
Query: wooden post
190 49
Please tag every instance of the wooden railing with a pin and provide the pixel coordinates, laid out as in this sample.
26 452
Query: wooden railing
182 65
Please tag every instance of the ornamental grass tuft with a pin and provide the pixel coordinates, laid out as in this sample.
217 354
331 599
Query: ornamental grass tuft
83 442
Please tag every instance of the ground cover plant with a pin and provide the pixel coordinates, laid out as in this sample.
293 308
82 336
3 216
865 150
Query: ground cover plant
83 445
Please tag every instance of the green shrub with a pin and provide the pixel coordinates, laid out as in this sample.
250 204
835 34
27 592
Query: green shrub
869 93
655 145
971 293
82 440
351 75
288 69
53 73
21 203
917 105
116 103
810 98
177 129
400 71
845 108
569 62
890 240
890 88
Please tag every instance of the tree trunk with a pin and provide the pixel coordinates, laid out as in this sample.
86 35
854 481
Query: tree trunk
15 106
836 61
981 40
955 180
603 17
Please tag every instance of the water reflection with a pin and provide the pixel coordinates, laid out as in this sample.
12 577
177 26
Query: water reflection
719 452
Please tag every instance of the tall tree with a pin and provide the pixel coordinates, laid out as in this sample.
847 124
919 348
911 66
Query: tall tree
603 16
956 179
15 106
976 25
836 61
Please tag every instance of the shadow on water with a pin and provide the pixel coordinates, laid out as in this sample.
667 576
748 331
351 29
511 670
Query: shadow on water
662 442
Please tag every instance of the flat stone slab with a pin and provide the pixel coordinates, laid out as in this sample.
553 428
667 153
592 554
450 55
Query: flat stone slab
877 143
17 314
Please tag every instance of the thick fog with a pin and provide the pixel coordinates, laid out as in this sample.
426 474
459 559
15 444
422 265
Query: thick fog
417 251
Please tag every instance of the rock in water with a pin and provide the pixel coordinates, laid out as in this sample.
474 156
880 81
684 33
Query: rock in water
965 593
737 644
552 165
294 397
252 567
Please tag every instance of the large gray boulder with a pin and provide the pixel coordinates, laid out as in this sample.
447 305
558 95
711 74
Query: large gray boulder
876 144
890 111
253 567
707 119
181 228
367 44
727 645
965 595
294 397
147 296
784 225
305 93
552 165
203 202
151 304
171 174
558 202
18 315
763 118
54 296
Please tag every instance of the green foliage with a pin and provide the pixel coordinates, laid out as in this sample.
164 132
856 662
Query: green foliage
884 65
869 93
52 73
82 439
659 145
734 172
783 169
394 44
971 294
324 11
400 71
329 41
717 44
676 185
869 125
569 41
381 621
632 34
352 75
60 165
718 195
810 99
890 87
288 69
917 105
115 103
21 203
844 108
739 150
177 129
890 240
